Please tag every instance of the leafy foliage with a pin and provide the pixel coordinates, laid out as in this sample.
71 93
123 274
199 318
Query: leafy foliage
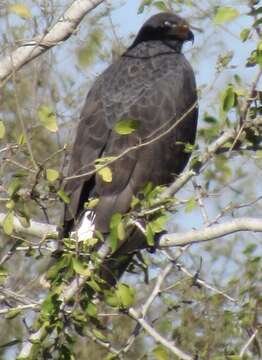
210 303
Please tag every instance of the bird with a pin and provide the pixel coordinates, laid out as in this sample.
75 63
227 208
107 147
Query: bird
152 87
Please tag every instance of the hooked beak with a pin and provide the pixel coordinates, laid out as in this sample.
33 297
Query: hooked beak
182 32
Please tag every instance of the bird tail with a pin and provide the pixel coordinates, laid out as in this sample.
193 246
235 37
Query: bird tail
113 265
85 228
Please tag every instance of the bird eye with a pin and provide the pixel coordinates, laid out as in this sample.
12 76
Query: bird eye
167 24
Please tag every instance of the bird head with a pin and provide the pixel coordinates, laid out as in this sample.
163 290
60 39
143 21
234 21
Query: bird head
164 27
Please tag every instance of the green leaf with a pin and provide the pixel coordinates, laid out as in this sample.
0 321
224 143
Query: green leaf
80 268
21 139
117 230
91 242
225 14
8 224
105 173
63 196
12 314
60 264
104 160
160 353
52 175
111 299
10 205
3 274
65 353
191 204
91 204
256 11
126 126
122 297
47 118
252 59
257 23
13 187
244 34
259 54
160 5
114 232
224 60
229 98
94 285
3 271
91 310
50 305
126 295
144 3
110 356
2 129
250 248
116 218
209 119
158 224
121 231
21 10
134 202
99 335
150 235
189 148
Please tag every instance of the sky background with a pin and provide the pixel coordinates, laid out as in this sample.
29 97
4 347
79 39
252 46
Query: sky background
203 55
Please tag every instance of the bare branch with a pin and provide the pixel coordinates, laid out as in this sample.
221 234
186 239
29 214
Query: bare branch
158 337
245 347
144 309
211 233
19 308
37 229
203 159
197 279
65 297
166 240
104 344
61 31
9 294
164 273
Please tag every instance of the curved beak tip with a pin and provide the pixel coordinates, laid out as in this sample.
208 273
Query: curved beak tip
191 36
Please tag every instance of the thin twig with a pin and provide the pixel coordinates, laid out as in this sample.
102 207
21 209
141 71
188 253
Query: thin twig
246 346
197 279
158 337
19 308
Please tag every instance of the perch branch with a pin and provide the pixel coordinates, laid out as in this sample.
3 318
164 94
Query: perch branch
61 31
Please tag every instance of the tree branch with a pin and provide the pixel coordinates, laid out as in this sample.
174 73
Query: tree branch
203 159
211 233
66 295
19 308
61 31
158 338
167 240
37 229
246 346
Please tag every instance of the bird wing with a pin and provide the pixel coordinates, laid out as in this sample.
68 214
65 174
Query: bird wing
155 91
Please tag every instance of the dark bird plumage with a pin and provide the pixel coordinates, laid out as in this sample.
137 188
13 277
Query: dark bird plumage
152 83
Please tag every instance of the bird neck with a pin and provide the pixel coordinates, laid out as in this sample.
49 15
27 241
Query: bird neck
176 45
171 43
147 49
